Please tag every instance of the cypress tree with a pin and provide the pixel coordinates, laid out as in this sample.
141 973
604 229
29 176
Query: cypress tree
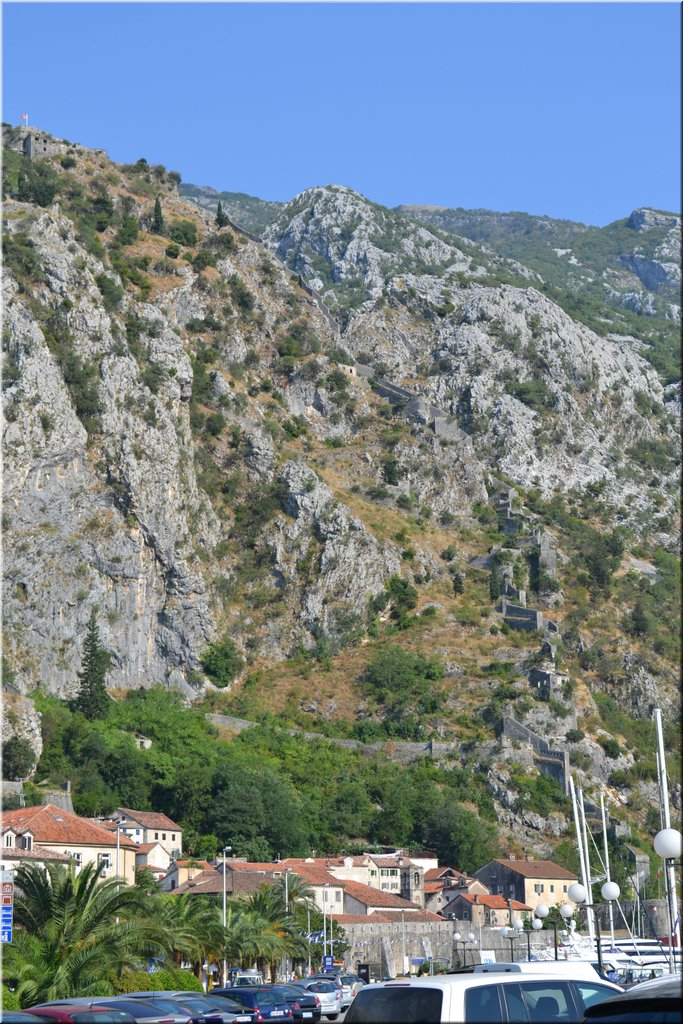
92 699
158 219
221 218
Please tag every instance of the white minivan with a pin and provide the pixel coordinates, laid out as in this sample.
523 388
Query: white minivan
479 998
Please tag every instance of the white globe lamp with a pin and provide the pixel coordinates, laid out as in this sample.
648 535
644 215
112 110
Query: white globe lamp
566 911
542 911
669 844
577 893
537 924
610 891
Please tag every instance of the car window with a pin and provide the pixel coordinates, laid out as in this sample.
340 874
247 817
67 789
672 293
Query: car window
514 1000
549 1001
99 1018
482 1005
592 994
408 1005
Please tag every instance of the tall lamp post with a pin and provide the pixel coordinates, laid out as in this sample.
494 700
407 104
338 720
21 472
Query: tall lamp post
536 924
509 933
471 938
226 849
519 928
542 911
579 894
669 846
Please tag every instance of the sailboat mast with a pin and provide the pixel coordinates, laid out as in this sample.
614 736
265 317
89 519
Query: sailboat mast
579 847
669 870
606 849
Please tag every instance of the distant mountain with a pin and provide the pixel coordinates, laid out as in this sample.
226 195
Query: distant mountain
622 278
246 211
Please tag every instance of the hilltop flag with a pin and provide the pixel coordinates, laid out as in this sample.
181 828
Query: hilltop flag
24 117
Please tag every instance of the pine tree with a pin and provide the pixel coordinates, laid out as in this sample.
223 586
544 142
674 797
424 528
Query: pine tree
494 586
221 218
158 219
92 699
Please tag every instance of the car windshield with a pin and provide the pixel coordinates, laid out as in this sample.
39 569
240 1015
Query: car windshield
321 986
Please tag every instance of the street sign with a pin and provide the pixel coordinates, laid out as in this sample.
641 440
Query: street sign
417 959
328 962
7 909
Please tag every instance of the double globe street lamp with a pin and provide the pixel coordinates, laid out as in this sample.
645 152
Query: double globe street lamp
610 891
542 911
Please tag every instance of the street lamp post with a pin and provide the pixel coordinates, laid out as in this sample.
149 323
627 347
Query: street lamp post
509 933
669 845
542 911
308 919
326 888
579 894
471 938
226 849
456 939
536 924
519 928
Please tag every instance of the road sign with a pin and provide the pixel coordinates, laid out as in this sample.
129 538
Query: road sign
7 908
328 961
417 959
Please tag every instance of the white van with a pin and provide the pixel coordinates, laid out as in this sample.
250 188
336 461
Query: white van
479 998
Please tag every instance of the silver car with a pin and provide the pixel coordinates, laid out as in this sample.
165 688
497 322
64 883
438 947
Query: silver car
328 992
351 984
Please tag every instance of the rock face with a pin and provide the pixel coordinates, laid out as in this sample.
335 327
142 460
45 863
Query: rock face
188 450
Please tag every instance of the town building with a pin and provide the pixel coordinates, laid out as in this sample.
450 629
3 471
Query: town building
150 827
529 881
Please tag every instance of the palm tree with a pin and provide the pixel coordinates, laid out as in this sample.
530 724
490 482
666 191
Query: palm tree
75 932
194 927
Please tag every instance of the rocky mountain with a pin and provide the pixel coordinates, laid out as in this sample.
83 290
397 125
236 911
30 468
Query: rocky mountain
256 457
610 278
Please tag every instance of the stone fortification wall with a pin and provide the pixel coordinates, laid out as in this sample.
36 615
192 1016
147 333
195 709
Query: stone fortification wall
518 617
549 761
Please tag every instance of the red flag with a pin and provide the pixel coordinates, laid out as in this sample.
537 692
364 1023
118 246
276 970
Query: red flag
24 117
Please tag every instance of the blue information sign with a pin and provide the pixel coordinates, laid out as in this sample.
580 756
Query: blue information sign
328 961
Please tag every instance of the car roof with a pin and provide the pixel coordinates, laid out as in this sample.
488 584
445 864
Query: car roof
448 980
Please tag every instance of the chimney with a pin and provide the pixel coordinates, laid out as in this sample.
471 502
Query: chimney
476 898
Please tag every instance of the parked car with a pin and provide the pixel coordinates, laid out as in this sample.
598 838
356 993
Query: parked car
305 1006
73 1015
351 984
19 1017
659 1001
140 1010
197 1014
260 998
328 991
197 1003
475 998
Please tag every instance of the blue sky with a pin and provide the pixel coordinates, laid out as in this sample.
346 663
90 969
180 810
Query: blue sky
570 110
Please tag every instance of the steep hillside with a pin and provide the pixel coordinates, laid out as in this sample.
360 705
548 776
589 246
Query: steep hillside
624 278
246 211
301 478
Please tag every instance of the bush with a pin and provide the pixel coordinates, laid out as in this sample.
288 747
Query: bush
18 758
183 231
112 293
610 746
574 735
222 662
166 980
172 251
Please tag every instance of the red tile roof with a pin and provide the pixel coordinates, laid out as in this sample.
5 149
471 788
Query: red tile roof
375 897
37 853
433 873
536 869
211 882
50 824
146 847
201 864
149 819
493 902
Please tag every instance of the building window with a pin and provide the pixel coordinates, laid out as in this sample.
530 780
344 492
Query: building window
104 859
156 835
564 888
172 836
337 895
373 874
163 835
27 842
417 878
137 831
552 888
9 840
384 872
538 888
385 885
